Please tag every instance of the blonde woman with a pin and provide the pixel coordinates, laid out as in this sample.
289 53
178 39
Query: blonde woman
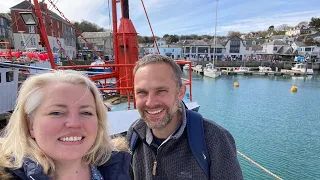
58 131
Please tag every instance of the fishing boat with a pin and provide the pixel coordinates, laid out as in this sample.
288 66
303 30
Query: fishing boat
99 61
265 69
241 69
302 67
210 70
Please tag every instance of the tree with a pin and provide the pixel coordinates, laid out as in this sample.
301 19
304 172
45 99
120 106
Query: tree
234 33
315 23
303 23
86 26
166 37
283 27
271 28
263 34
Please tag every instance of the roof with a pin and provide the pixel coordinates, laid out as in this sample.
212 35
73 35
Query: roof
104 34
218 45
258 41
23 5
5 15
285 50
199 43
279 36
170 46
257 48
275 42
298 43
233 37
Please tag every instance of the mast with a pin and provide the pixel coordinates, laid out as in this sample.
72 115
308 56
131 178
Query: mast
215 34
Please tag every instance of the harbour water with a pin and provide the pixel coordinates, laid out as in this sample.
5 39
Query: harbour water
278 129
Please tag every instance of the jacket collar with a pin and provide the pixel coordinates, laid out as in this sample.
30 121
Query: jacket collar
30 170
144 132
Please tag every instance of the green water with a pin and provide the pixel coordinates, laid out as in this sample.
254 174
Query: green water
276 128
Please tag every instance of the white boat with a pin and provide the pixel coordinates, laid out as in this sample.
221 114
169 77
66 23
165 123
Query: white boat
100 69
211 71
241 69
265 69
186 67
197 68
302 68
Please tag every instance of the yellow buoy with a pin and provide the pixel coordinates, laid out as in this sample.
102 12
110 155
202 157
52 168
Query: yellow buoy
294 89
236 84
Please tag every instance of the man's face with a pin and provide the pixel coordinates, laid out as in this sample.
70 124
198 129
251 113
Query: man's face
157 94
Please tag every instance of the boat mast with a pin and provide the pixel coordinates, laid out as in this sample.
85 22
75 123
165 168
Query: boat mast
215 34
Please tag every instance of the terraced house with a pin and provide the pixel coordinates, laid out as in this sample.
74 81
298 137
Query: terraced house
5 28
58 30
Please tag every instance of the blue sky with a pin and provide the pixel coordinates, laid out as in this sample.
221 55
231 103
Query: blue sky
198 16
193 16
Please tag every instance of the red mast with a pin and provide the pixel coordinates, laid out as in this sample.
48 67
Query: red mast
125 45
43 33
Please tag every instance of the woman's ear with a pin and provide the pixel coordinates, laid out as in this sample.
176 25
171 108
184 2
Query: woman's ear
30 126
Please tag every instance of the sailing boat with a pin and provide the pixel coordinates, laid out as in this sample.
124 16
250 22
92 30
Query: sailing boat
210 70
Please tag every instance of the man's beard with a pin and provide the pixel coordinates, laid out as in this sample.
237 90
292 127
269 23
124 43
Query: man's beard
160 124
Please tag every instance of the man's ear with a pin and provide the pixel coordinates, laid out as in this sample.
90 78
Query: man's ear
182 92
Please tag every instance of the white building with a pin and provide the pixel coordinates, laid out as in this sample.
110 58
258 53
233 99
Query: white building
101 41
173 51
237 50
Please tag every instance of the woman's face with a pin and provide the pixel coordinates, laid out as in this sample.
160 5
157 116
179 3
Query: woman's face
65 125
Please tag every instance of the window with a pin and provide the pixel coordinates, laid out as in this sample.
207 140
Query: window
58 24
235 43
1 21
194 49
22 43
164 50
172 50
31 29
33 41
308 49
9 76
234 49
58 33
275 48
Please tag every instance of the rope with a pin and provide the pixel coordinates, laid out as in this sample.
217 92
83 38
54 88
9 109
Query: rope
55 35
77 32
154 38
259 166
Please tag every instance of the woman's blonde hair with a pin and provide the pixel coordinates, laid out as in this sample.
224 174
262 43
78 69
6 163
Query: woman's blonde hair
16 142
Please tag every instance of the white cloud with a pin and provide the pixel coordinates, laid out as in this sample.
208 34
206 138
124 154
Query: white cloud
5 7
263 22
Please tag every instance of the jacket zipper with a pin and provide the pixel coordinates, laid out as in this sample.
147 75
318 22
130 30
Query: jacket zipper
154 169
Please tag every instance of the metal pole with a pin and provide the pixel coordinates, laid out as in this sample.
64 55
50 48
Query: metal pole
215 34
43 33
